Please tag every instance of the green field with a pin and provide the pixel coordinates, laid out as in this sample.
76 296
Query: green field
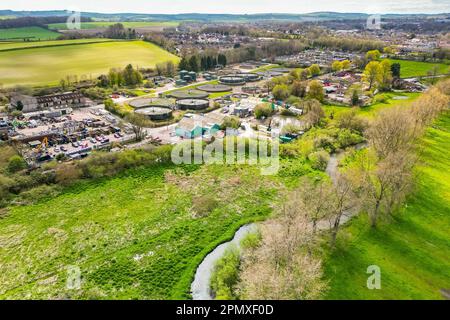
32 33
410 69
126 24
393 99
48 65
134 236
12 45
413 251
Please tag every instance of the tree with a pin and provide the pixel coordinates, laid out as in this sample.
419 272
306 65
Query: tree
314 199
351 121
314 113
316 91
385 75
384 182
355 98
222 59
263 110
138 123
298 89
314 70
193 63
346 64
388 50
184 64
392 130
336 66
231 122
280 92
19 106
373 55
319 160
343 201
372 73
396 69
281 267
170 69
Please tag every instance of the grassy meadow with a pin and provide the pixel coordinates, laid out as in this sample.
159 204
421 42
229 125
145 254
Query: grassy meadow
32 33
48 65
135 236
12 45
413 251
410 69
389 100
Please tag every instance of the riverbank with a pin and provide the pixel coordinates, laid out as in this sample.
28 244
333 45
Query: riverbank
411 251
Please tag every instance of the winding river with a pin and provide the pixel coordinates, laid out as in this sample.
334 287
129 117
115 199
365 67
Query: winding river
200 287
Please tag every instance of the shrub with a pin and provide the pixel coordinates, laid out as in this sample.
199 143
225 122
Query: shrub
226 275
350 120
263 110
319 160
231 122
347 138
16 163
203 205
280 92
290 128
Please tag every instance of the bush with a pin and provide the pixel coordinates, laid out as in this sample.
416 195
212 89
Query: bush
203 205
16 163
347 138
263 110
231 122
349 120
290 128
280 92
226 275
319 160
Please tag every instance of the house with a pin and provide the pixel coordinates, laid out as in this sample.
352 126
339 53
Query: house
192 126
27 103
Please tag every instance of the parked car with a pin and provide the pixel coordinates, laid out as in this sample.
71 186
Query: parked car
63 149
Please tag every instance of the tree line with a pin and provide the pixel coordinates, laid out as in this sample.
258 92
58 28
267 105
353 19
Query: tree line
35 22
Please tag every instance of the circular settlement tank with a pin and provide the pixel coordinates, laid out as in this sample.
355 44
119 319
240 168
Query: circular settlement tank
193 104
232 80
155 113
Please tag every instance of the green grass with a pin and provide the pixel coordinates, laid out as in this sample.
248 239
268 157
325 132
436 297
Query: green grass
48 65
413 250
411 69
126 24
32 33
101 226
9 46
371 110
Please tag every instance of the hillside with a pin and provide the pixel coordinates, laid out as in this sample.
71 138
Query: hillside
48 65
411 251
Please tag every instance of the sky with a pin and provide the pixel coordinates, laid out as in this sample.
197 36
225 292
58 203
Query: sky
233 6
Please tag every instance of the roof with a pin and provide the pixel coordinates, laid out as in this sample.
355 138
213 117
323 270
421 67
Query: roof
205 121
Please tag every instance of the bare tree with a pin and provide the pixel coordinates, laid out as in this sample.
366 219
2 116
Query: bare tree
138 124
281 267
344 203
314 198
